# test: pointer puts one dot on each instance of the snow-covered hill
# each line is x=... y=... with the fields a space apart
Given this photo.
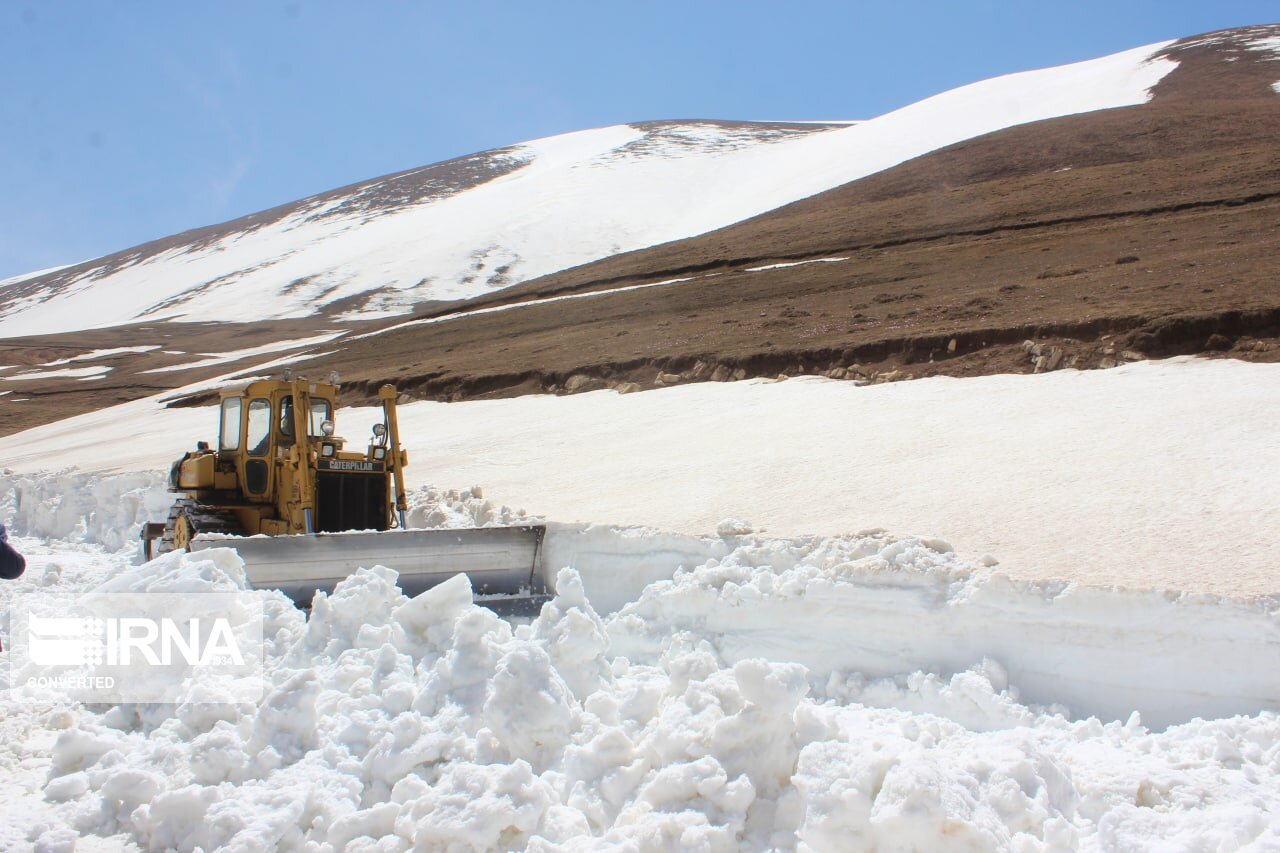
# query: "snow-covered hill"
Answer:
x=466 y=227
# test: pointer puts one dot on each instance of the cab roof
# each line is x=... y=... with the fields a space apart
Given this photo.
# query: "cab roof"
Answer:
x=273 y=387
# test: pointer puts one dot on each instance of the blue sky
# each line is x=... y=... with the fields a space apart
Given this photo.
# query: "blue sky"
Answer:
x=125 y=122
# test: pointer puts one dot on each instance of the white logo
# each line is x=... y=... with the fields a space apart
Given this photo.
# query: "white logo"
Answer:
x=80 y=642
x=65 y=642
x=138 y=647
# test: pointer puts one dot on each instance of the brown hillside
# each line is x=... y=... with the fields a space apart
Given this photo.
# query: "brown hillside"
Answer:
x=1142 y=231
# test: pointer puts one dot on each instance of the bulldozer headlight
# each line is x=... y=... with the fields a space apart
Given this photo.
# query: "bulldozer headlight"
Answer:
x=327 y=449
x=379 y=430
x=379 y=453
x=326 y=427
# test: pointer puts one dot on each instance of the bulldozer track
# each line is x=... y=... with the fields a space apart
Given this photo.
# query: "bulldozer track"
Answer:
x=201 y=518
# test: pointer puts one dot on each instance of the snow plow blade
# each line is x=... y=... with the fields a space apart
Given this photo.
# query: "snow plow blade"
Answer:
x=503 y=563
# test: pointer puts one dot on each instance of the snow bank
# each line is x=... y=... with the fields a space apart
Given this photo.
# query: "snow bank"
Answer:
x=78 y=507
x=876 y=606
x=110 y=509
x=397 y=724
x=617 y=563
x=915 y=605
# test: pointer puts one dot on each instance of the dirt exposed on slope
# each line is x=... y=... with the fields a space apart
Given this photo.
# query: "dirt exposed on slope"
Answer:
x=1129 y=233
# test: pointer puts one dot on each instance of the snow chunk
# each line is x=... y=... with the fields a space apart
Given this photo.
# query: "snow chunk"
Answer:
x=734 y=527
x=209 y=570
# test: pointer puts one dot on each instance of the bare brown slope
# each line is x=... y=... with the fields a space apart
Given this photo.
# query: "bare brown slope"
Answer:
x=1147 y=230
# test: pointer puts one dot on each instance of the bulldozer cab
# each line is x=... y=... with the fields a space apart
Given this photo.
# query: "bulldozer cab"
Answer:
x=280 y=469
x=261 y=424
x=277 y=436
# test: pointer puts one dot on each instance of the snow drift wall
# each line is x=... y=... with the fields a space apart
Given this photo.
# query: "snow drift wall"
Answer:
x=867 y=606
x=106 y=510
x=872 y=606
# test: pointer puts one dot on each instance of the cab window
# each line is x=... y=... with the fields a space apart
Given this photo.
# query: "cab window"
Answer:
x=321 y=411
x=230 y=437
x=258 y=437
x=286 y=417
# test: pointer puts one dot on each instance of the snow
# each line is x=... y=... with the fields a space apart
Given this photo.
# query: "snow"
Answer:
x=1149 y=475
x=675 y=181
x=1270 y=44
x=28 y=275
x=790 y=264
x=738 y=656
x=676 y=723
x=215 y=359
x=95 y=372
x=97 y=354
x=916 y=606
x=82 y=508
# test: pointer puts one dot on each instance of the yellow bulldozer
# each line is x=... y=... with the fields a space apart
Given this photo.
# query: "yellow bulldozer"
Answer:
x=304 y=511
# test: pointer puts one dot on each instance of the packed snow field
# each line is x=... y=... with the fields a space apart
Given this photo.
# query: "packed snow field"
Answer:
x=1149 y=475
x=717 y=692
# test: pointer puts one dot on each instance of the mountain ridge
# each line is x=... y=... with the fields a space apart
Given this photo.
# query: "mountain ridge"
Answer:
x=951 y=258
x=481 y=223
